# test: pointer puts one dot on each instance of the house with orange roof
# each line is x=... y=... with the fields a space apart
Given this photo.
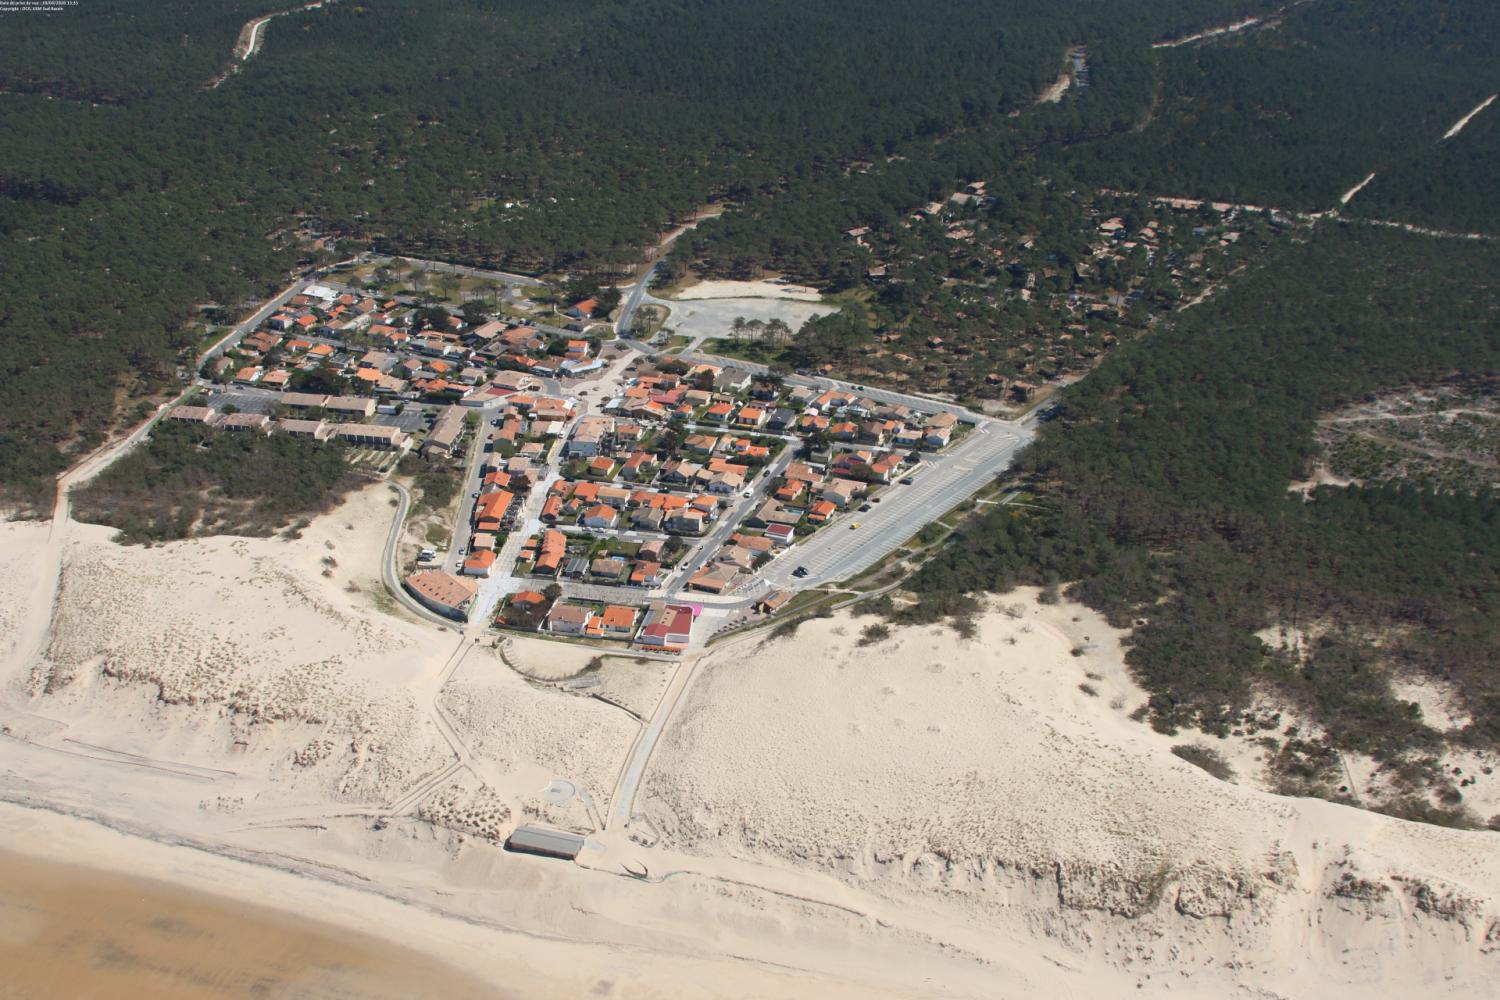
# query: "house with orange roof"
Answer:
x=617 y=621
x=722 y=465
x=552 y=509
x=320 y=351
x=755 y=543
x=637 y=465
x=616 y=496
x=645 y=573
x=480 y=563
x=554 y=548
x=714 y=578
x=718 y=413
x=600 y=516
x=821 y=511
x=750 y=416
x=568 y=619
x=493 y=506
x=789 y=493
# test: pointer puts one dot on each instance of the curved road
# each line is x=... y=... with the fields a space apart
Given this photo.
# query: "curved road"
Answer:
x=392 y=576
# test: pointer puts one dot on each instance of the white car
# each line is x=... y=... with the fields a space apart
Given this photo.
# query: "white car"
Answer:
x=748 y=494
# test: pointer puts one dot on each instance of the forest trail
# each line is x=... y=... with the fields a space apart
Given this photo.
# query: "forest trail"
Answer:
x=1234 y=27
x=1348 y=195
x=251 y=37
x=1458 y=126
x=1226 y=29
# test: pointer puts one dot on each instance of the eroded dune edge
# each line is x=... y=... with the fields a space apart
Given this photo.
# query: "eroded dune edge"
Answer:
x=922 y=815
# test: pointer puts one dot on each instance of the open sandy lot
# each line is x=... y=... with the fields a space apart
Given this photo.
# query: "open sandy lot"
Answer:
x=706 y=317
x=748 y=290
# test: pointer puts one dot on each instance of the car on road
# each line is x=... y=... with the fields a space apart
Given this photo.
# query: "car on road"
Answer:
x=748 y=494
x=800 y=572
x=854 y=525
x=907 y=481
x=874 y=499
x=863 y=507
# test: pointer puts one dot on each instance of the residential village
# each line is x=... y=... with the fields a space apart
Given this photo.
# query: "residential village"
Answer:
x=1017 y=297
x=608 y=493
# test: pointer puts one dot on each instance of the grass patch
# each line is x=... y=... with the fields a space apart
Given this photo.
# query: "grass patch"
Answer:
x=1206 y=758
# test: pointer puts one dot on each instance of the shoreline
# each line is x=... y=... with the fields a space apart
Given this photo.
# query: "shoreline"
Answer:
x=474 y=956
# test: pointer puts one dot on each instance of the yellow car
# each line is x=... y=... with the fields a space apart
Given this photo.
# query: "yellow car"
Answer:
x=854 y=525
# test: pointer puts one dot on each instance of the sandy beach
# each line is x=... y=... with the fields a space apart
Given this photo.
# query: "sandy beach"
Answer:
x=926 y=815
x=69 y=931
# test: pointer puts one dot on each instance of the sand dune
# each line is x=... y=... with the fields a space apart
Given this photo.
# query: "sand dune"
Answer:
x=976 y=774
x=925 y=816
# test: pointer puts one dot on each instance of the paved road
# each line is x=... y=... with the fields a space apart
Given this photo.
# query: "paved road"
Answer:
x=730 y=522
x=627 y=314
x=391 y=572
x=261 y=315
x=837 y=551
x=622 y=801
x=463 y=523
x=474 y=272
x=928 y=403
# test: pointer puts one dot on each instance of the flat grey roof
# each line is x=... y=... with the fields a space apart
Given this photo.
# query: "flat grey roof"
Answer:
x=545 y=841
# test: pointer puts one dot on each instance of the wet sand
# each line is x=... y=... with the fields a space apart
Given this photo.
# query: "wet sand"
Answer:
x=68 y=931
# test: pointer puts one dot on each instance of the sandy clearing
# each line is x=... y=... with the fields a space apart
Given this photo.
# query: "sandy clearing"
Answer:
x=533 y=735
x=1054 y=93
x=747 y=290
x=701 y=318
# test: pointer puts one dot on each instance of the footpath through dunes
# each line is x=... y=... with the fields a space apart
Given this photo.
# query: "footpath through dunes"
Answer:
x=998 y=783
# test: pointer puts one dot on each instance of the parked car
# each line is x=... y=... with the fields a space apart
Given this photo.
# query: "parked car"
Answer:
x=863 y=507
x=874 y=499
x=800 y=571
x=854 y=525
x=907 y=481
